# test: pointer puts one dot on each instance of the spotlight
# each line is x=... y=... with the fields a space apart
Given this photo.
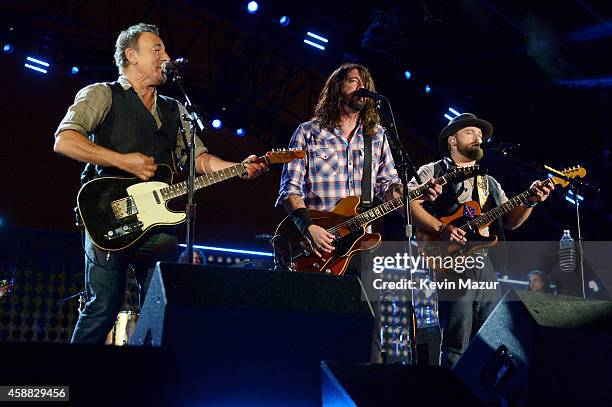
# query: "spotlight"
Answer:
x=407 y=74
x=75 y=70
x=311 y=41
x=448 y=116
x=284 y=21
x=8 y=48
x=217 y=123
x=240 y=132
x=427 y=88
x=252 y=7
x=453 y=111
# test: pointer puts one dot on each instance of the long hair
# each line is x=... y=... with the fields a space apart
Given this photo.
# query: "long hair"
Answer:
x=329 y=106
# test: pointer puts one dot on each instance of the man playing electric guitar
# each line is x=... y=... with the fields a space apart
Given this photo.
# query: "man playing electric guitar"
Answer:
x=334 y=165
x=122 y=128
x=461 y=318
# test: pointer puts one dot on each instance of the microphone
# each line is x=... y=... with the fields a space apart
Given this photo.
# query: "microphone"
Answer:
x=174 y=65
x=499 y=146
x=367 y=94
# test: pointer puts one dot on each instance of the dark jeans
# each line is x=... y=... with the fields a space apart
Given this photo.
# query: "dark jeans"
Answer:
x=462 y=312
x=105 y=279
x=355 y=269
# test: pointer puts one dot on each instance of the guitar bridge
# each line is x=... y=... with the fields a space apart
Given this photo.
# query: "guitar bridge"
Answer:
x=124 y=207
x=123 y=230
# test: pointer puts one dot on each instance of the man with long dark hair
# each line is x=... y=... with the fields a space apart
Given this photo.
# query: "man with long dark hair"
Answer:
x=333 y=169
x=334 y=141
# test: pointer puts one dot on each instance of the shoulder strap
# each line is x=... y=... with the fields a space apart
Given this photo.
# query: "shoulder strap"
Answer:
x=366 y=180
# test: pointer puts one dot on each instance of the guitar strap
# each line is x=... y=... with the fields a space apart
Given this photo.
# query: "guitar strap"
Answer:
x=481 y=189
x=366 y=181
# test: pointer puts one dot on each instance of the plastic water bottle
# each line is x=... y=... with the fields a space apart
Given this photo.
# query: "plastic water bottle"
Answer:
x=567 y=253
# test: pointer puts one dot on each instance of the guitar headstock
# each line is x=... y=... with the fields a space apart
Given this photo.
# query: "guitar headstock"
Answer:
x=571 y=172
x=283 y=156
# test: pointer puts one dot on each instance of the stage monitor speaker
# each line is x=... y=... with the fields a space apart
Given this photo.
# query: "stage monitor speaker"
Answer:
x=538 y=349
x=346 y=384
x=96 y=375
x=253 y=337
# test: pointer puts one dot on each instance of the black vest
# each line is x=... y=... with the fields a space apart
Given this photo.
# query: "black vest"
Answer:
x=129 y=127
x=448 y=202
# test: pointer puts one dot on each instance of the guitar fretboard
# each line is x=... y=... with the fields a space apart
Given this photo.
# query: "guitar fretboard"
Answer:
x=363 y=219
x=175 y=190
x=489 y=216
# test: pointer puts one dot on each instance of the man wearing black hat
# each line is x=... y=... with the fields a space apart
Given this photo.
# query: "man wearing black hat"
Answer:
x=462 y=312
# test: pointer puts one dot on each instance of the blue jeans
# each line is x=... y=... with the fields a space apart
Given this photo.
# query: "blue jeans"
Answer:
x=462 y=312
x=105 y=279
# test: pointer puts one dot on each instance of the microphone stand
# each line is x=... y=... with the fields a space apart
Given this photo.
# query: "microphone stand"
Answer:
x=195 y=123
x=406 y=171
x=576 y=185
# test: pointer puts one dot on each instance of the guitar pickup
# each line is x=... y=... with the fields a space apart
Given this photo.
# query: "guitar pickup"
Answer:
x=124 y=207
x=123 y=230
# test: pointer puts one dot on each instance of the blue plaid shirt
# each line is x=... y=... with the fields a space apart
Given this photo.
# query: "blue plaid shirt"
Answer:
x=333 y=167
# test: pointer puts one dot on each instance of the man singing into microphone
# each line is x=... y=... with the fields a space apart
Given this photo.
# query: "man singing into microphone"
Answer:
x=124 y=128
x=333 y=169
x=462 y=313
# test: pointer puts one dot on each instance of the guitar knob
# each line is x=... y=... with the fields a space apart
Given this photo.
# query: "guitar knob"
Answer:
x=328 y=271
x=110 y=233
x=316 y=265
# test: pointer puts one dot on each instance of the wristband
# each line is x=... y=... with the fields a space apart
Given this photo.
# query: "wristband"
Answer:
x=301 y=219
x=529 y=204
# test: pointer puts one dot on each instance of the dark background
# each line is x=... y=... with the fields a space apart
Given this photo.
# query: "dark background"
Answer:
x=539 y=71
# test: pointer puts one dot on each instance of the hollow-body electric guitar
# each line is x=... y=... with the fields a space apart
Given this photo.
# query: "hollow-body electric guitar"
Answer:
x=468 y=217
x=117 y=211
x=293 y=251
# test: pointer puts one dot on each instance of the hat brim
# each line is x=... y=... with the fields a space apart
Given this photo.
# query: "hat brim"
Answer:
x=483 y=125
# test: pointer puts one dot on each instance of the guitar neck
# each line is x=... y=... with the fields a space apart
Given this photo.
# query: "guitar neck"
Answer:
x=203 y=181
x=364 y=218
x=489 y=216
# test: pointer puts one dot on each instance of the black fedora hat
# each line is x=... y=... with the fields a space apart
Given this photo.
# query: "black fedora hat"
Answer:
x=460 y=122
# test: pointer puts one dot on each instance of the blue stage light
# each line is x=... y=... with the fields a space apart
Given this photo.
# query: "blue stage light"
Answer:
x=313 y=44
x=35 y=68
x=252 y=7
x=284 y=21
x=317 y=37
x=8 y=48
x=427 y=88
x=37 y=64
x=453 y=111
x=407 y=74
x=228 y=250
x=38 y=61
x=75 y=70
x=448 y=116
x=216 y=123
x=240 y=132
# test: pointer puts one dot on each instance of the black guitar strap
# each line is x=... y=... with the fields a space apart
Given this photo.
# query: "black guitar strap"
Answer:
x=366 y=181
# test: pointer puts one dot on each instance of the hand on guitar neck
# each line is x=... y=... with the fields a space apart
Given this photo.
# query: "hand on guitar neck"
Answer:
x=254 y=167
x=395 y=191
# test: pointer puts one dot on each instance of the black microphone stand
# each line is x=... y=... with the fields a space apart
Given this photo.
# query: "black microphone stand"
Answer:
x=195 y=123
x=406 y=171
x=576 y=185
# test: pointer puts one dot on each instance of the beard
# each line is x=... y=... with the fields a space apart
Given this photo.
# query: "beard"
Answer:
x=354 y=104
x=470 y=152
